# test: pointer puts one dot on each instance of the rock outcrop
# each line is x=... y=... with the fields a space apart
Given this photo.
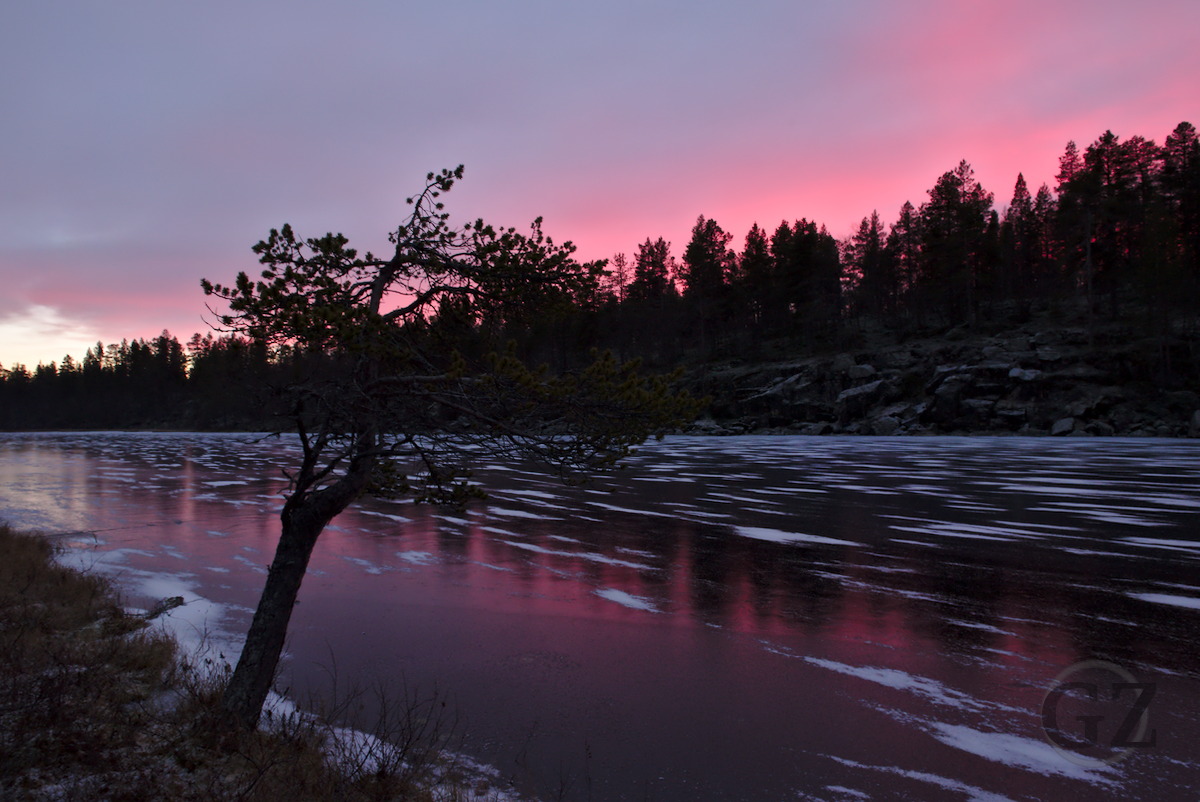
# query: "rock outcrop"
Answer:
x=1048 y=381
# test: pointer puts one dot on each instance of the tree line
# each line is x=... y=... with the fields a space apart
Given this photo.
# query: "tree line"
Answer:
x=1118 y=234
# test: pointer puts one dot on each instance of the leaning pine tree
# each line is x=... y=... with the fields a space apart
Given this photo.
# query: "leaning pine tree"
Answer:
x=392 y=405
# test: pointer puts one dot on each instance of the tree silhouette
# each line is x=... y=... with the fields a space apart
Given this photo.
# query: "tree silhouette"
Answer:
x=707 y=263
x=954 y=225
x=389 y=409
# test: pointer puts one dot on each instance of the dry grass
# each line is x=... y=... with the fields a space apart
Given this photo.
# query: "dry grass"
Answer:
x=95 y=705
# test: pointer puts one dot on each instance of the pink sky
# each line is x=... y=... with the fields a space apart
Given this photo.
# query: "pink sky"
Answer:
x=150 y=145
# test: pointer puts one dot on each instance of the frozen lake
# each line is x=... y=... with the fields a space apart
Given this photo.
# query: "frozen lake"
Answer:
x=752 y=618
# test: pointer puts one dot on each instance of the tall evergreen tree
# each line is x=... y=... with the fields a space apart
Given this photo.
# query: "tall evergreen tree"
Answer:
x=875 y=284
x=903 y=252
x=1181 y=194
x=1018 y=243
x=707 y=262
x=954 y=225
x=756 y=269
x=808 y=272
x=653 y=271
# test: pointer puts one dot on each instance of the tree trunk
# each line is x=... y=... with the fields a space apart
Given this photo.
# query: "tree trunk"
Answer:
x=304 y=517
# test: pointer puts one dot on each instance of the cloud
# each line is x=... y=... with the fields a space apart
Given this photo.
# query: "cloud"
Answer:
x=26 y=334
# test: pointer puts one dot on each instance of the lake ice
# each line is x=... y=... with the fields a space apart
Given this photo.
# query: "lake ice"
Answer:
x=726 y=618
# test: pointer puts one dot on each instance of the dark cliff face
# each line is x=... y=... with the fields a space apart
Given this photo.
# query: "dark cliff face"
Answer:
x=1035 y=380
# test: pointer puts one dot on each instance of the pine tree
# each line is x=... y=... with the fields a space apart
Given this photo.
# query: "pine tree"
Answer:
x=954 y=224
x=390 y=409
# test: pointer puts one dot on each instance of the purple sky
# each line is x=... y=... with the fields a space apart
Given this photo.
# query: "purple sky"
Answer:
x=149 y=144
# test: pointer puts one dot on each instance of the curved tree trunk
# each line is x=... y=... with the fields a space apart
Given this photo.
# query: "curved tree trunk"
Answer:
x=304 y=517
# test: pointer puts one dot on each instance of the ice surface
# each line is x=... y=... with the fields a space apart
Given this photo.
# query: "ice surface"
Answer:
x=998 y=524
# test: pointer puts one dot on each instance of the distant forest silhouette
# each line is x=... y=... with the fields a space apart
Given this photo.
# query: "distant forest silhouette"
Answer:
x=1118 y=234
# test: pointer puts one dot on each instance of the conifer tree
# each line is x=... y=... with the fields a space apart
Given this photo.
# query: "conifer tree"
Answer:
x=391 y=409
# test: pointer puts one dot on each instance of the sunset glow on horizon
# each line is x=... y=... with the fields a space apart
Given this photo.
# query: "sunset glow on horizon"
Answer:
x=151 y=146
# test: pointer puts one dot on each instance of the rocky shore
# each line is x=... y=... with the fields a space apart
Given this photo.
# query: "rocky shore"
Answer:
x=1033 y=380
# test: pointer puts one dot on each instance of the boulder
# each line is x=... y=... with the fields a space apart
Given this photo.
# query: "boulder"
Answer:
x=980 y=409
x=860 y=392
x=943 y=373
x=706 y=426
x=1011 y=417
x=859 y=372
x=1049 y=354
x=1194 y=425
x=1062 y=426
x=947 y=398
x=885 y=425
x=853 y=403
x=1182 y=400
x=993 y=369
x=1024 y=374
x=842 y=363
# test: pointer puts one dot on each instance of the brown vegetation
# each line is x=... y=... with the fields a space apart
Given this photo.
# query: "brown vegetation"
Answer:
x=96 y=705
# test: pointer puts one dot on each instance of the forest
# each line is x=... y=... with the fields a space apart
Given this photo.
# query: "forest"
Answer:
x=1118 y=236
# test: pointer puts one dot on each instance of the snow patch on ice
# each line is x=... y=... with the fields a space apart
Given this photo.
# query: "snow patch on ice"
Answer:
x=509 y=513
x=196 y=625
x=495 y=530
x=615 y=508
x=417 y=557
x=1014 y=750
x=530 y=493
x=371 y=568
x=627 y=599
x=973 y=794
x=489 y=565
x=1163 y=543
x=933 y=530
x=900 y=680
x=389 y=516
x=1190 y=602
x=779 y=536
x=581 y=555
x=251 y=564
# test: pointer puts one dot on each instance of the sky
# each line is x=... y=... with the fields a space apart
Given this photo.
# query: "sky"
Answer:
x=149 y=144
